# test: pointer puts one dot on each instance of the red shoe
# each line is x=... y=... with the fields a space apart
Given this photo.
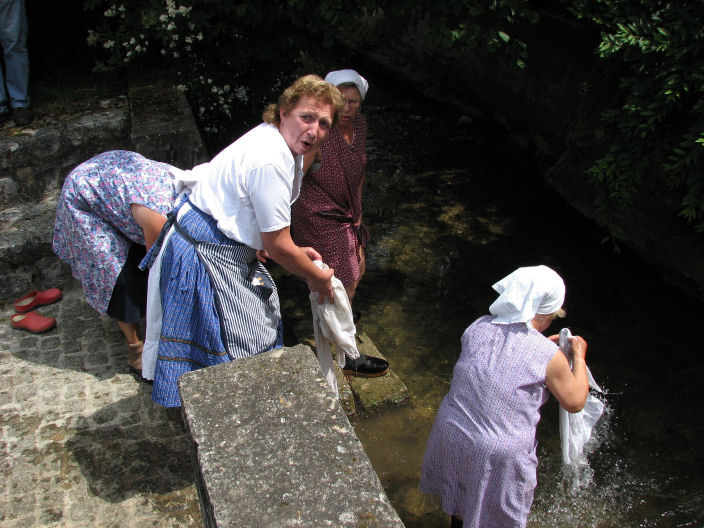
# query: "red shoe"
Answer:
x=32 y=322
x=36 y=299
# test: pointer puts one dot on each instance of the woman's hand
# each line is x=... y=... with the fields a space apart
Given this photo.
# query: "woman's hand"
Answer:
x=311 y=253
x=569 y=386
x=322 y=285
x=578 y=347
x=262 y=255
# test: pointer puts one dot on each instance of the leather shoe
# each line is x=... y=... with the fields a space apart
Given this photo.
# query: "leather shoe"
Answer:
x=22 y=116
x=366 y=367
x=5 y=116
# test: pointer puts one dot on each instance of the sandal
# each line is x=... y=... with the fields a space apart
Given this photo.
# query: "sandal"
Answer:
x=36 y=299
x=32 y=322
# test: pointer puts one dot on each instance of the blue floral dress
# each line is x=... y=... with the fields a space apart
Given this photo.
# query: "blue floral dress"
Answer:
x=94 y=226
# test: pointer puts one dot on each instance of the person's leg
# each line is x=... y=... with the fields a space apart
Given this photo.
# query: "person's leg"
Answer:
x=130 y=331
x=134 y=344
x=13 y=39
x=128 y=304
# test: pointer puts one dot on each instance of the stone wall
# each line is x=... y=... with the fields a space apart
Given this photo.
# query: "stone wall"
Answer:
x=152 y=118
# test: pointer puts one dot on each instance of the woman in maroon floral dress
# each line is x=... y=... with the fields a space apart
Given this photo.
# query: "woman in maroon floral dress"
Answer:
x=328 y=213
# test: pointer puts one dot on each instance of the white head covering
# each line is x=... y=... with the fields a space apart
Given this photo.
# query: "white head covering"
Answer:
x=527 y=292
x=338 y=77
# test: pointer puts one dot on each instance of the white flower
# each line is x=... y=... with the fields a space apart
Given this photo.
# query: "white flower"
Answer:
x=109 y=44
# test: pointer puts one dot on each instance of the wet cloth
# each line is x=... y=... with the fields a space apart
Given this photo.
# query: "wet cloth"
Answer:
x=219 y=303
x=576 y=428
x=333 y=324
x=94 y=226
x=481 y=454
x=330 y=203
x=526 y=292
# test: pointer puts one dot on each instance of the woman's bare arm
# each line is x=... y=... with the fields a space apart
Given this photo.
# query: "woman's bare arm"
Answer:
x=569 y=386
x=281 y=248
x=150 y=221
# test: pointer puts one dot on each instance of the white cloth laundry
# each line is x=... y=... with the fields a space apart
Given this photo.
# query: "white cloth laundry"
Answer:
x=576 y=428
x=333 y=323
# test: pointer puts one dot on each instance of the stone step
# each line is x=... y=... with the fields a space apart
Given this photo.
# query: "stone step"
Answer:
x=155 y=120
x=35 y=159
x=358 y=394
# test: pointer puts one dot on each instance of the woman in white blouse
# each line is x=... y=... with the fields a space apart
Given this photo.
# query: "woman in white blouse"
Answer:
x=219 y=302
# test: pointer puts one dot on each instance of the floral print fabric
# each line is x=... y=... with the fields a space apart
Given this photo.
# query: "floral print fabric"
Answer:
x=94 y=225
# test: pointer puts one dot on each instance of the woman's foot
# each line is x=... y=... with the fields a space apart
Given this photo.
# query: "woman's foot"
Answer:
x=134 y=356
x=366 y=366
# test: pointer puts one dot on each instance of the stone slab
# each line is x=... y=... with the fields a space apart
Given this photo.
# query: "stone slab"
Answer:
x=374 y=394
x=358 y=394
x=273 y=447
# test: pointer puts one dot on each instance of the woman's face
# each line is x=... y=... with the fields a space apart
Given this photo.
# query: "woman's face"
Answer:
x=353 y=101
x=305 y=126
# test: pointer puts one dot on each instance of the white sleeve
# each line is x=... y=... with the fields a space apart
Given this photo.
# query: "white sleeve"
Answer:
x=269 y=188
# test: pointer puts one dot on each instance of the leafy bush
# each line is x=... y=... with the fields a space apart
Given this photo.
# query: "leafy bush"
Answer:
x=650 y=52
x=655 y=121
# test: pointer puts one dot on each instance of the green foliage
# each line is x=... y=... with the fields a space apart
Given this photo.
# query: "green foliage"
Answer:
x=466 y=26
x=233 y=57
x=655 y=119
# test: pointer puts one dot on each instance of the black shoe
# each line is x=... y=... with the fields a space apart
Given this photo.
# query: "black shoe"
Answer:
x=22 y=116
x=366 y=367
x=5 y=116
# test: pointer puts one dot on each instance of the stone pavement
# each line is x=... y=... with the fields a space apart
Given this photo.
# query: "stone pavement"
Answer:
x=81 y=443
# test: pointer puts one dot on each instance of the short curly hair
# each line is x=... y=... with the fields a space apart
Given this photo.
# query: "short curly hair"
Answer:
x=308 y=85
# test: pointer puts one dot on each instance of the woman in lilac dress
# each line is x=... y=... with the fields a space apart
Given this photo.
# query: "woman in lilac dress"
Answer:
x=481 y=453
x=111 y=209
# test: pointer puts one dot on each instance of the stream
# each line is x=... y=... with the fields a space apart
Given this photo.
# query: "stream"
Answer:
x=452 y=209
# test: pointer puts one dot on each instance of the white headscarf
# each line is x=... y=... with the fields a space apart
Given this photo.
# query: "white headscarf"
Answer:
x=527 y=292
x=338 y=77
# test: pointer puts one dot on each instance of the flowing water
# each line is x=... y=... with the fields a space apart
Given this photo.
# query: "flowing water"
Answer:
x=452 y=209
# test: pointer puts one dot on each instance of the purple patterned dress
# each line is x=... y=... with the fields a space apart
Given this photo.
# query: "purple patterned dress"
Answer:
x=94 y=225
x=481 y=454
